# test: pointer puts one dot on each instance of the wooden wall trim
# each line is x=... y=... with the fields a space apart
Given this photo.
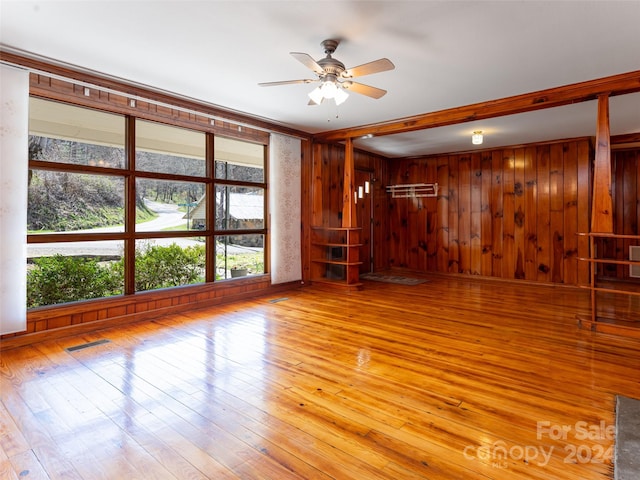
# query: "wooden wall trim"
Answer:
x=226 y=120
x=553 y=97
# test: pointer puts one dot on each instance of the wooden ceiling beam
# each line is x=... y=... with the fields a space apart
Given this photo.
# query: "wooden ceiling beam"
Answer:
x=553 y=97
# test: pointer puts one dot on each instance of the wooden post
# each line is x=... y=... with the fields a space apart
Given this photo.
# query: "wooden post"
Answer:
x=602 y=203
x=349 y=218
x=348 y=187
x=317 y=215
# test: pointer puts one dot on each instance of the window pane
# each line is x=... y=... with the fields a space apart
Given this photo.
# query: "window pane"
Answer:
x=168 y=205
x=165 y=149
x=239 y=255
x=65 y=202
x=169 y=262
x=238 y=160
x=71 y=271
x=68 y=134
x=239 y=208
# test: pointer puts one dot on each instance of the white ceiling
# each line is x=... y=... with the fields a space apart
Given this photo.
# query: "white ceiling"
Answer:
x=446 y=53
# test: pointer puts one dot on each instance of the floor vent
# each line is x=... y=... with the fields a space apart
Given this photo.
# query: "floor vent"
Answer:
x=276 y=300
x=87 y=345
x=634 y=256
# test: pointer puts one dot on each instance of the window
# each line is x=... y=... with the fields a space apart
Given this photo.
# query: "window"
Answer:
x=82 y=188
x=239 y=208
x=76 y=186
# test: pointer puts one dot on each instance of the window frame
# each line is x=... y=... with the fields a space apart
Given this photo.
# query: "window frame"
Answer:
x=130 y=174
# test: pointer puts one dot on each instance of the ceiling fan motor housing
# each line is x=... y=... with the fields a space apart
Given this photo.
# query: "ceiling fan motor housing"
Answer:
x=330 y=65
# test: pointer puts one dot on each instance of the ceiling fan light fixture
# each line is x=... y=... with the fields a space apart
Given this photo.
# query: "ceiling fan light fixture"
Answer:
x=316 y=95
x=340 y=96
x=477 y=138
x=329 y=88
x=334 y=78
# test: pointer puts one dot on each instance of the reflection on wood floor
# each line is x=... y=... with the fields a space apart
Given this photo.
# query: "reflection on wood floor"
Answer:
x=451 y=379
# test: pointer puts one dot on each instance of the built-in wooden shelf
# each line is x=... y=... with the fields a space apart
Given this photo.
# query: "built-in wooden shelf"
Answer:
x=617 y=325
x=335 y=256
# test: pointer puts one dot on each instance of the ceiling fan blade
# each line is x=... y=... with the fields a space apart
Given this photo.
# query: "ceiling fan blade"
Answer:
x=363 y=89
x=286 y=82
x=308 y=62
x=381 y=65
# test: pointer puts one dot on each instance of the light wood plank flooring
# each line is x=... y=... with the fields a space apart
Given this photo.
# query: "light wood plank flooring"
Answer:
x=451 y=379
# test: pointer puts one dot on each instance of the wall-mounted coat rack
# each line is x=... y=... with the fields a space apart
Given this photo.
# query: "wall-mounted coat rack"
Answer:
x=413 y=190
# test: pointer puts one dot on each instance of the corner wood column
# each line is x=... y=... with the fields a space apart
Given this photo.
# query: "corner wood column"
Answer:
x=348 y=188
x=349 y=218
x=334 y=250
x=602 y=203
x=317 y=208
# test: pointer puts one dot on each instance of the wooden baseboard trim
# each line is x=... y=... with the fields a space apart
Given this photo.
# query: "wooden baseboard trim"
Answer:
x=126 y=319
x=608 y=328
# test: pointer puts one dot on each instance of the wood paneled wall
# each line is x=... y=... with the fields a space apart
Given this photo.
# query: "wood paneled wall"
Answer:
x=625 y=191
x=509 y=213
x=327 y=183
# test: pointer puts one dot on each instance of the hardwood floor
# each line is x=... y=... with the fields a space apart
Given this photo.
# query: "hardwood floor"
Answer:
x=451 y=379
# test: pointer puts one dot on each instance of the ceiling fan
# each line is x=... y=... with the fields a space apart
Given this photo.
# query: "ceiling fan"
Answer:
x=335 y=79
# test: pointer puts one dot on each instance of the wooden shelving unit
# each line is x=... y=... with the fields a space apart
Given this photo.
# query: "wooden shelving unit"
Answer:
x=629 y=324
x=335 y=256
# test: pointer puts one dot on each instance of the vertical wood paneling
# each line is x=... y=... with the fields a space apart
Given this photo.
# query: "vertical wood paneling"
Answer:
x=475 y=241
x=497 y=210
x=377 y=166
x=544 y=248
x=316 y=175
x=486 y=219
x=413 y=229
x=349 y=188
x=442 y=240
x=636 y=160
x=381 y=220
x=454 y=201
x=326 y=200
x=511 y=213
x=417 y=225
x=519 y=217
x=531 y=214
x=625 y=188
x=464 y=214
x=618 y=185
x=336 y=160
x=508 y=196
x=584 y=207
x=556 y=212
x=629 y=202
x=398 y=212
x=570 y=208
x=431 y=204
